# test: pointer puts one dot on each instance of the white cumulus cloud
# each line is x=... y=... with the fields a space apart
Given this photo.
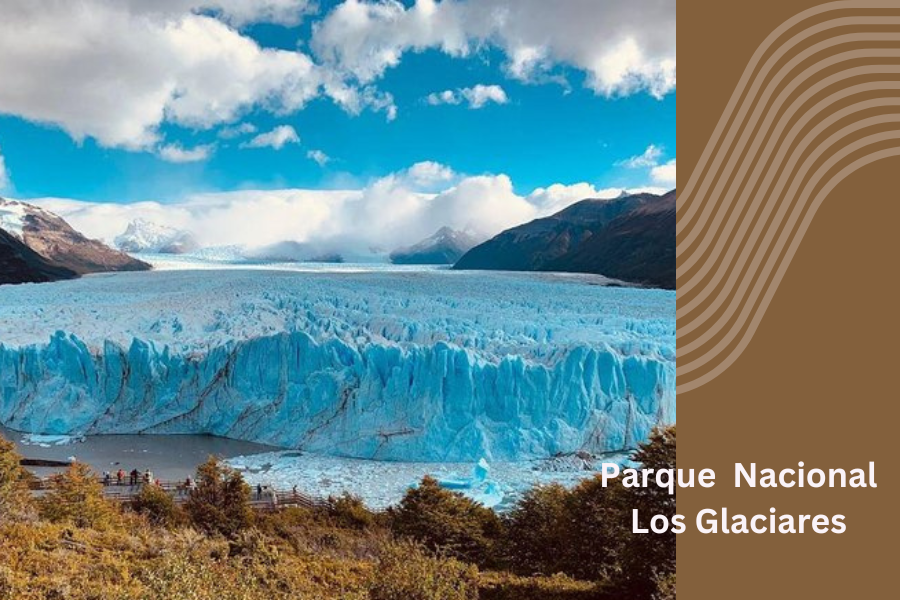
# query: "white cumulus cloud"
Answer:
x=117 y=70
x=624 y=47
x=649 y=158
x=661 y=173
x=175 y=153
x=4 y=174
x=476 y=96
x=664 y=174
x=235 y=131
x=278 y=138
x=319 y=157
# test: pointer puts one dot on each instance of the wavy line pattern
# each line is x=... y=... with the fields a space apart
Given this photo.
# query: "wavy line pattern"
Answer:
x=819 y=99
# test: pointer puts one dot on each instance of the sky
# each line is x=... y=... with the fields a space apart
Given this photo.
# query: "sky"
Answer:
x=252 y=121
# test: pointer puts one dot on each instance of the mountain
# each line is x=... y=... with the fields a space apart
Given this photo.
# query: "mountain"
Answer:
x=21 y=264
x=637 y=246
x=144 y=236
x=631 y=238
x=56 y=244
x=445 y=247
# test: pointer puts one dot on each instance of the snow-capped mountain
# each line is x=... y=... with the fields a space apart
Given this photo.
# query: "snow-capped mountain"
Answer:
x=145 y=236
x=445 y=247
x=44 y=247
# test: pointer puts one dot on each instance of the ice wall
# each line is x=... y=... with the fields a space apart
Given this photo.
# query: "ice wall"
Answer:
x=425 y=403
x=437 y=368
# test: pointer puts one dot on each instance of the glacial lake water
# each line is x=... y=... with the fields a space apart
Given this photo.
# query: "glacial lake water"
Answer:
x=170 y=457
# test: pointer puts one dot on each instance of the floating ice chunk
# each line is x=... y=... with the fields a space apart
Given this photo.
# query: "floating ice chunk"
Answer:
x=46 y=441
x=491 y=496
x=481 y=471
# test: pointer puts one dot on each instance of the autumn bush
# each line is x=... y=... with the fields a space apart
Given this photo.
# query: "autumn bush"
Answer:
x=506 y=586
x=406 y=571
x=448 y=522
x=350 y=511
x=158 y=506
x=220 y=502
x=15 y=500
x=76 y=497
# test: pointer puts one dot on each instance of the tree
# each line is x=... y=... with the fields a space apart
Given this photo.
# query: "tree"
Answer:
x=448 y=522
x=157 y=505
x=221 y=501
x=14 y=496
x=350 y=512
x=76 y=497
x=536 y=531
x=650 y=558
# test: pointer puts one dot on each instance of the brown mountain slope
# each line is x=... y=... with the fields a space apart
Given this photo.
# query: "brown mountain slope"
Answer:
x=54 y=239
x=21 y=264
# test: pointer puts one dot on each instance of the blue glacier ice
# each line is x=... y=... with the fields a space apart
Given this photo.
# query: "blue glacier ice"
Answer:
x=430 y=366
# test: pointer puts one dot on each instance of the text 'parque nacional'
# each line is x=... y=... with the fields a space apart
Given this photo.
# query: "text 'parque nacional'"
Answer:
x=715 y=521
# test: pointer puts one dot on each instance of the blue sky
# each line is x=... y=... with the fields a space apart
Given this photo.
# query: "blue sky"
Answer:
x=166 y=102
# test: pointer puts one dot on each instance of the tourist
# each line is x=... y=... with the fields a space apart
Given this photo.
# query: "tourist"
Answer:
x=107 y=478
x=120 y=476
x=259 y=491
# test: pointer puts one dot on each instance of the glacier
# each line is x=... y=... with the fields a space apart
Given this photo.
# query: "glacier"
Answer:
x=402 y=366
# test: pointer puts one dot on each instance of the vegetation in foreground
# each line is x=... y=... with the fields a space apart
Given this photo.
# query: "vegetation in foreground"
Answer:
x=435 y=545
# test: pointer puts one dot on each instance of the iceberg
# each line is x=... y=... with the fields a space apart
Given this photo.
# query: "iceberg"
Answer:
x=431 y=366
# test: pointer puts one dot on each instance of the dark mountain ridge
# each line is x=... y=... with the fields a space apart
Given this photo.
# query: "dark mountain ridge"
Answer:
x=630 y=238
x=21 y=264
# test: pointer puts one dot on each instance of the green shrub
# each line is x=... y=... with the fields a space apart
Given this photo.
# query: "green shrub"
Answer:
x=448 y=522
x=536 y=530
x=407 y=572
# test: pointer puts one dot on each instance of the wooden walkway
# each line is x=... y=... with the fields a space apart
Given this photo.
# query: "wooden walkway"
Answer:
x=270 y=499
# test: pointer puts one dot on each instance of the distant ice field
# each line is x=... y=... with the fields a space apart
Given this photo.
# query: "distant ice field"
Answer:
x=488 y=312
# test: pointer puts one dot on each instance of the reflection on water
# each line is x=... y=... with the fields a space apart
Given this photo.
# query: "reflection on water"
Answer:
x=170 y=457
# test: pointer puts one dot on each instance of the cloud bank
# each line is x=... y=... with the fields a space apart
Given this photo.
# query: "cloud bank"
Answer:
x=397 y=210
x=116 y=70
x=623 y=47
